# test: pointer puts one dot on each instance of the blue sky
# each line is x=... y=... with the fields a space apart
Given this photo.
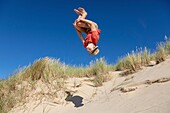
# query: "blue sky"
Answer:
x=33 y=29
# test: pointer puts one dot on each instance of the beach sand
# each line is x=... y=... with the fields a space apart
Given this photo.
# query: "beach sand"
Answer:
x=147 y=91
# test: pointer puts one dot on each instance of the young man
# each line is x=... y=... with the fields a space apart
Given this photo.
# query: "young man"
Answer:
x=88 y=27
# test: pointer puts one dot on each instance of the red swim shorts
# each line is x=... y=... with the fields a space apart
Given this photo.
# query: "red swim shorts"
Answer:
x=92 y=37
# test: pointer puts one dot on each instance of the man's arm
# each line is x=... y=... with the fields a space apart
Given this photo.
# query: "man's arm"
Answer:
x=78 y=30
x=80 y=35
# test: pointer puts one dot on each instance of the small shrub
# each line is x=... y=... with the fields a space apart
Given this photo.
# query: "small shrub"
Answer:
x=98 y=80
x=97 y=67
x=160 y=54
x=146 y=57
x=134 y=61
x=153 y=56
x=7 y=93
x=167 y=46
x=130 y=62
x=99 y=70
x=36 y=71
x=121 y=65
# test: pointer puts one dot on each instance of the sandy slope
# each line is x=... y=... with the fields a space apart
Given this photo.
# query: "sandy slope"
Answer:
x=152 y=96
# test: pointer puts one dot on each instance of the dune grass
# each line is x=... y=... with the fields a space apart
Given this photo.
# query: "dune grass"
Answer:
x=134 y=61
x=99 y=69
x=50 y=71
x=54 y=73
x=7 y=94
x=160 y=55
x=167 y=46
x=48 y=68
x=163 y=50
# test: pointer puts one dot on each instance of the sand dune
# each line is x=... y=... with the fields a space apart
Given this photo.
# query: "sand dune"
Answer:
x=147 y=91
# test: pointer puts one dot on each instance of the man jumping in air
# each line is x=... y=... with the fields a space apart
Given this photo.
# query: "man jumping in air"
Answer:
x=88 y=27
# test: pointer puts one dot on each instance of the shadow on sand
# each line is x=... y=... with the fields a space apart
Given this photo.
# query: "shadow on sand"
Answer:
x=76 y=100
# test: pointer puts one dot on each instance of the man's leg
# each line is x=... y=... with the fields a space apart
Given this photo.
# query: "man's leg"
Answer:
x=93 y=26
x=79 y=31
x=77 y=27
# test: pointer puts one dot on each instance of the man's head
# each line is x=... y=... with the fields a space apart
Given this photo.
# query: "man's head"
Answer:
x=92 y=49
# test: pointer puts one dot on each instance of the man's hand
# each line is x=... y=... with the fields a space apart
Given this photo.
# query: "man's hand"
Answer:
x=78 y=12
x=81 y=12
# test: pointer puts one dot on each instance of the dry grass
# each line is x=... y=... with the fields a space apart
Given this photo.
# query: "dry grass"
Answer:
x=163 y=50
x=160 y=55
x=134 y=61
x=99 y=69
x=46 y=77
x=51 y=74
x=49 y=68
x=167 y=46
x=7 y=94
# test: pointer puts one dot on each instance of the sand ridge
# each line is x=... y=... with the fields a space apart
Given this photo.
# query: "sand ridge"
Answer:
x=146 y=91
